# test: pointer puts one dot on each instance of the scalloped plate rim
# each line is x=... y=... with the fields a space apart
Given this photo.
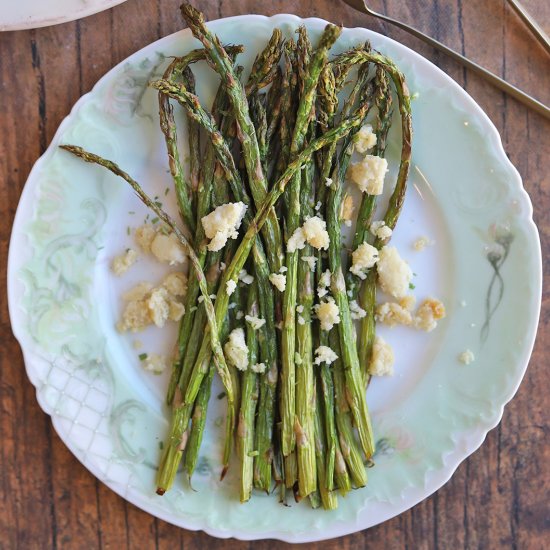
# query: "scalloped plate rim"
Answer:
x=466 y=443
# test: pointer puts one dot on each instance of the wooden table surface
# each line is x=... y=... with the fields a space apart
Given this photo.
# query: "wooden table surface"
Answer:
x=498 y=498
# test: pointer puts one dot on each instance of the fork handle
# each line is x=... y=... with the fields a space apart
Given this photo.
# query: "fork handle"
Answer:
x=533 y=26
x=495 y=80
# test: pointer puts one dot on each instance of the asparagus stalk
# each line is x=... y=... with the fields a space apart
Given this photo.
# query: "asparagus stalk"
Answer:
x=246 y=134
x=249 y=398
x=304 y=422
x=328 y=497
x=350 y=450
x=180 y=418
x=288 y=343
x=219 y=359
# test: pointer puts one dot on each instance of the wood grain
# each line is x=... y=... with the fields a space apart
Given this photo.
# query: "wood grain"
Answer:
x=498 y=498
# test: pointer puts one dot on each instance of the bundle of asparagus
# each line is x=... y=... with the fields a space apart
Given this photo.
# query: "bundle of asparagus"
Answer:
x=295 y=381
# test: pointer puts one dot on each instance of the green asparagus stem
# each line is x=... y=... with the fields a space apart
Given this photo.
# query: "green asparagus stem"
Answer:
x=328 y=497
x=288 y=343
x=304 y=423
x=180 y=418
x=349 y=448
x=264 y=69
x=246 y=134
x=249 y=398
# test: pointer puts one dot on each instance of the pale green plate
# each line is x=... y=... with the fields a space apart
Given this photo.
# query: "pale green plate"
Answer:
x=485 y=265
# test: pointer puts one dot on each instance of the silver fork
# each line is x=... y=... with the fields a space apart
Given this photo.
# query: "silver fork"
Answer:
x=526 y=99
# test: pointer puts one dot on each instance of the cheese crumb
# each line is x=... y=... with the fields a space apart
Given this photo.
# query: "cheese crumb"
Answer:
x=324 y=354
x=382 y=358
x=311 y=261
x=167 y=249
x=144 y=236
x=408 y=302
x=380 y=229
x=223 y=224
x=421 y=243
x=347 y=209
x=394 y=274
x=357 y=312
x=369 y=174
x=255 y=322
x=392 y=314
x=176 y=284
x=318 y=206
x=300 y=309
x=278 y=280
x=138 y=292
x=283 y=269
x=245 y=278
x=328 y=182
x=324 y=284
x=301 y=320
x=239 y=315
x=258 y=368
x=121 y=264
x=236 y=349
x=315 y=231
x=363 y=258
x=159 y=306
x=365 y=139
x=222 y=266
x=466 y=357
x=175 y=311
x=155 y=363
x=328 y=314
x=230 y=287
x=428 y=313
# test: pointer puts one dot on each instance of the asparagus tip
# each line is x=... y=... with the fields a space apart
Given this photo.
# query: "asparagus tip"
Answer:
x=160 y=491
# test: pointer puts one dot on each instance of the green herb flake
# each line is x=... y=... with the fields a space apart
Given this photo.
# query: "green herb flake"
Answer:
x=411 y=286
x=221 y=395
x=166 y=191
x=142 y=356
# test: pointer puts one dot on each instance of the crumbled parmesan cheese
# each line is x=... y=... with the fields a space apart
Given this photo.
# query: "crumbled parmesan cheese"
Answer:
x=144 y=236
x=347 y=209
x=175 y=284
x=315 y=231
x=311 y=261
x=365 y=139
x=382 y=358
x=159 y=306
x=245 y=278
x=155 y=363
x=466 y=357
x=138 y=292
x=301 y=320
x=122 y=263
x=328 y=314
x=428 y=313
x=380 y=229
x=222 y=266
x=421 y=243
x=363 y=258
x=230 y=287
x=324 y=284
x=369 y=174
x=394 y=274
x=357 y=312
x=324 y=354
x=278 y=280
x=236 y=349
x=283 y=269
x=176 y=311
x=408 y=302
x=328 y=182
x=167 y=249
x=348 y=223
x=258 y=368
x=147 y=305
x=318 y=206
x=299 y=309
x=392 y=314
x=297 y=240
x=223 y=223
x=255 y=322
x=239 y=315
